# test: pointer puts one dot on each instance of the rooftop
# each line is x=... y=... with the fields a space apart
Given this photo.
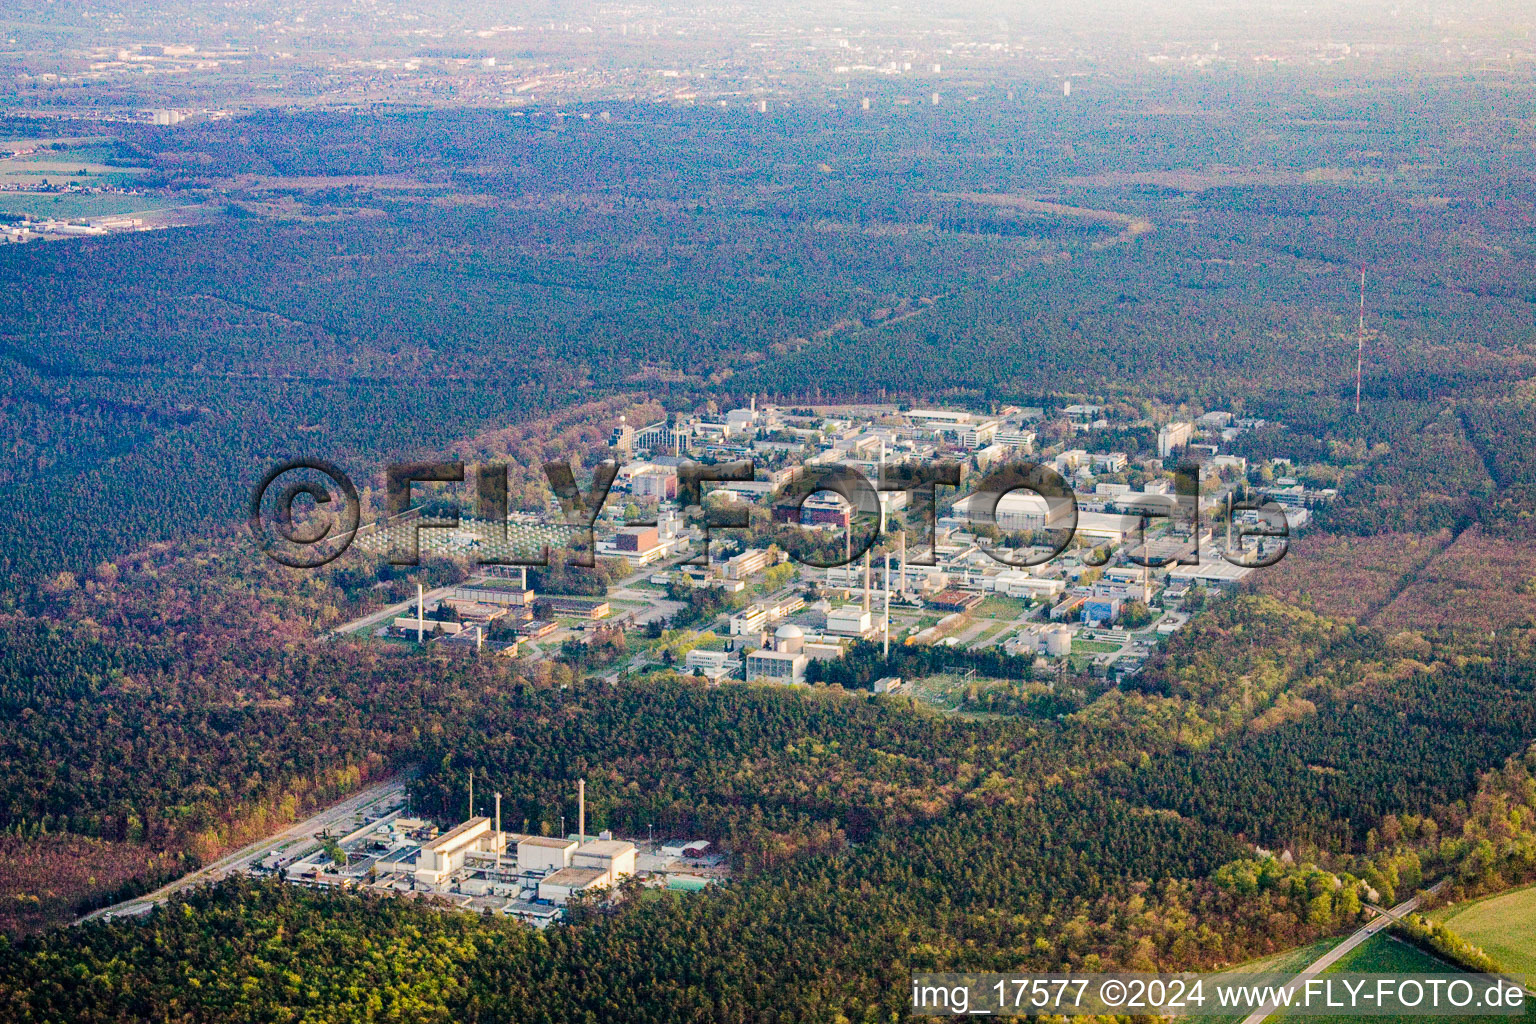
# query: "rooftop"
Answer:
x=549 y=841
x=607 y=848
x=576 y=878
x=451 y=838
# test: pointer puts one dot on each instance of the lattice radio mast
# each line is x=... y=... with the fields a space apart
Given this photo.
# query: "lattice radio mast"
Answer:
x=1360 y=342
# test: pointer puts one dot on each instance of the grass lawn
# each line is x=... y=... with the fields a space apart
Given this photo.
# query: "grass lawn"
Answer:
x=996 y=607
x=988 y=633
x=1503 y=925
x=1289 y=961
x=1093 y=647
x=1286 y=962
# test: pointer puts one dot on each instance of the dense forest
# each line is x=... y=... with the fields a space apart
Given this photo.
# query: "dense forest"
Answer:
x=165 y=694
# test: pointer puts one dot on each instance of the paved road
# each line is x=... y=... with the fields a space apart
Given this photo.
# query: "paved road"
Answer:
x=337 y=818
x=388 y=614
x=1328 y=959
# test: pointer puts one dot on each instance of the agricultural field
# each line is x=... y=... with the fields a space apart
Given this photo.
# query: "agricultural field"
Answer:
x=1384 y=954
x=33 y=167
x=1286 y=960
x=80 y=205
x=1504 y=926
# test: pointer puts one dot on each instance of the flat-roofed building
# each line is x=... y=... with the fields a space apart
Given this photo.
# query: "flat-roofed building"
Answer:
x=636 y=539
x=1106 y=527
x=1173 y=437
x=955 y=600
x=559 y=887
x=980 y=434
x=1017 y=440
x=657 y=483
x=638 y=545
x=710 y=664
x=776 y=666
x=614 y=856
x=1213 y=571
x=576 y=607
x=747 y=563
x=848 y=621
x=822 y=650
x=937 y=416
x=750 y=619
x=815 y=512
x=509 y=594
x=545 y=853
x=1016 y=583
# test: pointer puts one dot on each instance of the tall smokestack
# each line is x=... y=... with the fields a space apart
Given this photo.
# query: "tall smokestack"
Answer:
x=421 y=614
x=868 y=580
x=471 y=813
x=887 y=604
x=501 y=840
x=581 y=810
x=901 y=560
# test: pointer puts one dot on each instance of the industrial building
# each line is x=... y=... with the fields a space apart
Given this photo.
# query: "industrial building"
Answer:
x=785 y=662
x=849 y=621
x=473 y=866
x=709 y=664
x=444 y=855
x=658 y=483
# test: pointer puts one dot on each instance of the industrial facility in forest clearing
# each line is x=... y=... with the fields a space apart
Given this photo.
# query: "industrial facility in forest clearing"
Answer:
x=478 y=866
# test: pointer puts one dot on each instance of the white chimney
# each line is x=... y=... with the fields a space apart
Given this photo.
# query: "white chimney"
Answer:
x=581 y=810
x=868 y=579
x=421 y=614
x=887 y=604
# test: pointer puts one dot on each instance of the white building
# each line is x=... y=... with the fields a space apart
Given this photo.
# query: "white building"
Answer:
x=747 y=564
x=1016 y=583
x=614 y=857
x=1016 y=510
x=1018 y=440
x=545 y=853
x=980 y=434
x=1173 y=437
x=785 y=663
x=444 y=855
x=710 y=664
x=657 y=483
x=850 y=620
x=559 y=887
x=751 y=619
x=1106 y=527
